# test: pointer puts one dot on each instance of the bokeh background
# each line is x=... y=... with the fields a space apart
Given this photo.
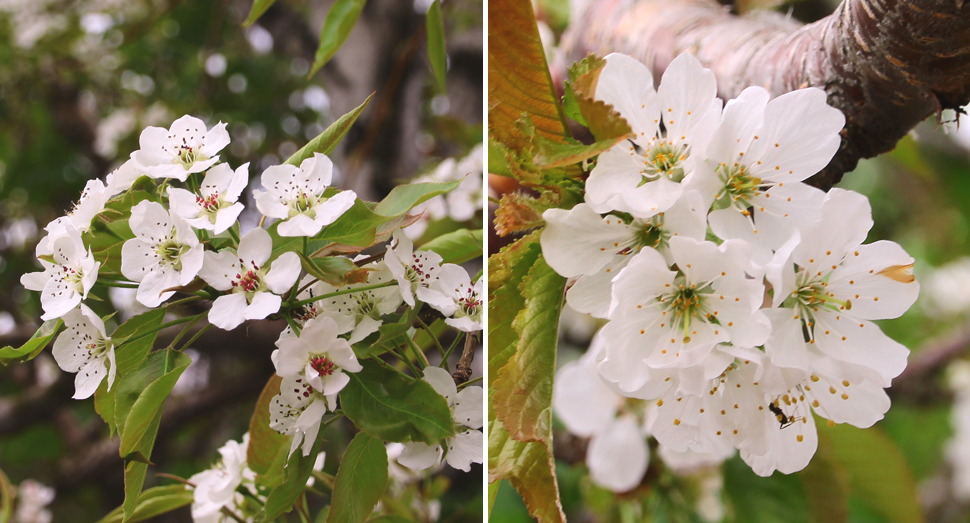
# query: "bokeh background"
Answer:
x=920 y=195
x=80 y=79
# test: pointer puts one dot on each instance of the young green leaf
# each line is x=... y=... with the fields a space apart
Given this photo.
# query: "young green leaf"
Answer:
x=328 y=140
x=153 y=502
x=264 y=442
x=34 y=345
x=259 y=7
x=165 y=368
x=385 y=405
x=341 y=19
x=360 y=480
x=297 y=471
x=437 y=54
x=529 y=467
x=457 y=246
x=335 y=270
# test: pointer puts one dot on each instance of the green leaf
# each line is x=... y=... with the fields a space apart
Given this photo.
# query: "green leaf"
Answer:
x=519 y=80
x=775 y=499
x=335 y=270
x=457 y=246
x=7 y=495
x=389 y=518
x=826 y=484
x=297 y=471
x=385 y=405
x=603 y=121
x=878 y=473
x=328 y=140
x=360 y=480
x=264 y=442
x=34 y=345
x=436 y=44
x=492 y=492
x=405 y=197
x=529 y=468
x=550 y=155
x=153 y=502
x=151 y=396
x=341 y=19
x=259 y=7
x=505 y=271
x=135 y=473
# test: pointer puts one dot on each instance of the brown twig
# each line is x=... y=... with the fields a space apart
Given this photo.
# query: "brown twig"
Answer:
x=463 y=371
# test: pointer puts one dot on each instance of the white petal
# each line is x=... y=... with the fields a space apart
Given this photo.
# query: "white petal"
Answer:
x=592 y=294
x=138 y=259
x=328 y=211
x=219 y=269
x=627 y=85
x=878 y=279
x=466 y=448
x=256 y=247
x=283 y=272
x=686 y=93
x=150 y=289
x=183 y=203
x=88 y=379
x=740 y=120
x=215 y=139
x=617 y=172
x=334 y=383
x=269 y=203
x=419 y=456
x=262 y=305
x=579 y=241
x=468 y=407
x=441 y=382
x=618 y=457
x=299 y=225
x=150 y=222
x=228 y=311
x=860 y=342
x=582 y=400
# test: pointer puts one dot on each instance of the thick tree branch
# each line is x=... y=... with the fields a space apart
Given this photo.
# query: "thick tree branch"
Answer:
x=887 y=64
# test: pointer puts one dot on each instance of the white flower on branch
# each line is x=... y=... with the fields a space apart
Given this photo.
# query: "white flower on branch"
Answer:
x=254 y=287
x=296 y=195
x=455 y=296
x=92 y=201
x=185 y=148
x=672 y=127
x=163 y=254
x=466 y=447
x=359 y=312
x=68 y=279
x=215 y=207
x=412 y=269
x=122 y=178
x=85 y=348
x=216 y=488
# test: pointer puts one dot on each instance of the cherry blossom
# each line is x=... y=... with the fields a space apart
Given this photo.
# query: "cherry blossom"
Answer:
x=454 y=296
x=163 y=254
x=84 y=348
x=215 y=207
x=296 y=195
x=183 y=149
x=254 y=286
x=412 y=269
x=68 y=278
x=467 y=445
x=672 y=127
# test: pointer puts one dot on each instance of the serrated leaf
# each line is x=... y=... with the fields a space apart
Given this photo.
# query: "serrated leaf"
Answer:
x=153 y=502
x=341 y=19
x=385 y=405
x=457 y=246
x=297 y=471
x=328 y=140
x=603 y=121
x=529 y=469
x=550 y=155
x=878 y=473
x=519 y=81
x=259 y=7
x=437 y=55
x=360 y=480
x=29 y=350
x=505 y=271
x=264 y=442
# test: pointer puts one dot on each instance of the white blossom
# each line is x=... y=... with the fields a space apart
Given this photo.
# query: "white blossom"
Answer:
x=359 y=312
x=215 y=207
x=68 y=279
x=455 y=296
x=183 y=149
x=93 y=199
x=216 y=488
x=122 y=178
x=254 y=286
x=467 y=445
x=412 y=269
x=163 y=254
x=33 y=498
x=296 y=195
x=85 y=348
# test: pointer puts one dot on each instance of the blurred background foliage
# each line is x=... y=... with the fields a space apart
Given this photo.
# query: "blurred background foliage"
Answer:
x=920 y=195
x=80 y=79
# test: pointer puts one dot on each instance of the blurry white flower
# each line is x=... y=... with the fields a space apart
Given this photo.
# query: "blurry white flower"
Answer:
x=33 y=496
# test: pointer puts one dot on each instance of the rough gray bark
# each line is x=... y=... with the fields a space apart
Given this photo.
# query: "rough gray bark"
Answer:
x=887 y=64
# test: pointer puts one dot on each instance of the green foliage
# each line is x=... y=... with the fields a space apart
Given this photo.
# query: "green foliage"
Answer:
x=259 y=7
x=297 y=471
x=388 y=406
x=153 y=502
x=457 y=246
x=335 y=270
x=7 y=494
x=29 y=350
x=340 y=21
x=265 y=444
x=328 y=140
x=776 y=499
x=360 y=480
x=437 y=55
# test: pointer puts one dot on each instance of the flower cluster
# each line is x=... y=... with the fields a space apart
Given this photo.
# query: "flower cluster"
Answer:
x=740 y=299
x=461 y=204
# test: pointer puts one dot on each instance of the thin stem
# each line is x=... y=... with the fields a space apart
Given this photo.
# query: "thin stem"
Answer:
x=305 y=287
x=182 y=301
x=173 y=477
x=444 y=359
x=184 y=331
x=234 y=234
x=261 y=221
x=226 y=511
x=470 y=382
x=301 y=508
x=391 y=367
x=295 y=304
x=119 y=284
x=164 y=326
x=376 y=257
x=195 y=337
x=292 y=323
x=407 y=361
x=418 y=352
x=323 y=478
x=434 y=339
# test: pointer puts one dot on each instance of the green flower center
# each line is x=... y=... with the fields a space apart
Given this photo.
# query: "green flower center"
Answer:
x=664 y=158
x=685 y=304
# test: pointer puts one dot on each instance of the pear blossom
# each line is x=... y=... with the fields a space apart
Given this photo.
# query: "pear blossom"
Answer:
x=757 y=159
x=85 y=348
x=831 y=287
x=255 y=286
x=33 y=498
x=672 y=125
x=360 y=312
x=296 y=196
x=183 y=149
x=216 y=206
x=662 y=318
x=164 y=253
x=465 y=447
x=68 y=279
x=298 y=411
x=618 y=455
x=412 y=269
x=122 y=178
x=93 y=199
x=581 y=244
x=455 y=296
x=216 y=488
x=461 y=203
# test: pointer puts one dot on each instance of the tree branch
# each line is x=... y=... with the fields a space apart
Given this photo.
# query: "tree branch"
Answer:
x=887 y=64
